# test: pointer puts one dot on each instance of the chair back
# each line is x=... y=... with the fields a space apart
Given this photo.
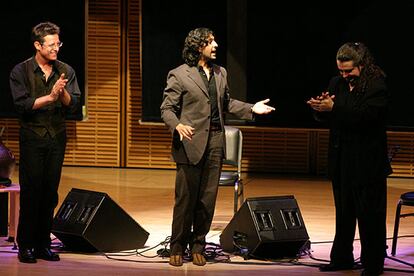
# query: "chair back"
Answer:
x=234 y=145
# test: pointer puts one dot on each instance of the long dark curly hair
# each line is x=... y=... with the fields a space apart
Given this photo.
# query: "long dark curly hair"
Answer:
x=361 y=56
x=195 y=40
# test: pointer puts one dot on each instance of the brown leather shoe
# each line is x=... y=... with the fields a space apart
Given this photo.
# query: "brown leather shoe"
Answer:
x=198 y=259
x=176 y=260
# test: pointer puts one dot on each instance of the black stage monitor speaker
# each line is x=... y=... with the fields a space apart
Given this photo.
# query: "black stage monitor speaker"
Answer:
x=89 y=221
x=266 y=228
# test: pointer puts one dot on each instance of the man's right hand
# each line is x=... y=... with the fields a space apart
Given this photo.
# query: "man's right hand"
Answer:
x=185 y=131
x=58 y=87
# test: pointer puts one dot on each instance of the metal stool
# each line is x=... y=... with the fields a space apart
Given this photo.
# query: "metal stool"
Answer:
x=405 y=199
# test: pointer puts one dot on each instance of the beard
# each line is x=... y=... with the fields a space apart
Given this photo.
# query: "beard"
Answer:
x=352 y=80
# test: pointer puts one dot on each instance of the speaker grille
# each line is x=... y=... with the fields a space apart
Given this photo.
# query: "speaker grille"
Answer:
x=266 y=228
x=90 y=221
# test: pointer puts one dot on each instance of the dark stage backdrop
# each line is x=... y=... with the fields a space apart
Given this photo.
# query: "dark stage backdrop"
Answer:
x=18 y=17
x=301 y=60
x=290 y=51
x=165 y=25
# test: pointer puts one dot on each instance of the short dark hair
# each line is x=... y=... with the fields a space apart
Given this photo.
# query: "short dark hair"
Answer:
x=43 y=29
x=195 y=39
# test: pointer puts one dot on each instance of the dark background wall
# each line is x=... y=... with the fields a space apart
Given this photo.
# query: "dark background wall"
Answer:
x=18 y=17
x=113 y=136
x=300 y=61
x=285 y=54
x=290 y=51
x=165 y=24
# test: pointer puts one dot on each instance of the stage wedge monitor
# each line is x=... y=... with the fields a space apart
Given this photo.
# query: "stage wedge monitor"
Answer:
x=89 y=221
x=266 y=228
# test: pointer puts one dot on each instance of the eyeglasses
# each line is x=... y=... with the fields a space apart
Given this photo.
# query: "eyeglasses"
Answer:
x=54 y=46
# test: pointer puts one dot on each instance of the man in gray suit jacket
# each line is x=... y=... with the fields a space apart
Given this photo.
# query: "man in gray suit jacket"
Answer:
x=195 y=98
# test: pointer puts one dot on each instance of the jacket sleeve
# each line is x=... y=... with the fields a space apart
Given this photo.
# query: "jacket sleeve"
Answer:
x=238 y=108
x=172 y=102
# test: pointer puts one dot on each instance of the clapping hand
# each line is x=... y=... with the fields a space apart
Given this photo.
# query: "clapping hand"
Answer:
x=324 y=102
x=58 y=87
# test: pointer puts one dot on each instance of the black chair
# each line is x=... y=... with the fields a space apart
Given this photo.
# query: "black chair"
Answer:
x=234 y=146
x=408 y=200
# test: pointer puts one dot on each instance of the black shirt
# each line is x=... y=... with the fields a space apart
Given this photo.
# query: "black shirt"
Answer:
x=28 y=82
x=212 y=91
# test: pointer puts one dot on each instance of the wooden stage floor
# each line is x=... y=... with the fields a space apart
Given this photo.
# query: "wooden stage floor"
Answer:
x=147 y=196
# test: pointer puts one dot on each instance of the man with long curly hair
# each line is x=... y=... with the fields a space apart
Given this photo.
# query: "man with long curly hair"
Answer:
x=356 y=106
x=195 y=100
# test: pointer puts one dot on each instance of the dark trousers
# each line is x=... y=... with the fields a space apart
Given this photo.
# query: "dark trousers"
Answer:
x=367 y=206
x=40 y=166
x=195 y=198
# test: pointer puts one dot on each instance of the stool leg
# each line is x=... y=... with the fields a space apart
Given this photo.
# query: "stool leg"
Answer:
x=396 y=226
x=236 y=194
x=241 y=194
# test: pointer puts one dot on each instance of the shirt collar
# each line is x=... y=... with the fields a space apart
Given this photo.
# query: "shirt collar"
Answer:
x=35 y=65
x=210 y=67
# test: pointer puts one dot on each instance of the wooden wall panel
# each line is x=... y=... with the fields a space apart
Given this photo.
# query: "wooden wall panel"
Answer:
x=150 y=147
x=278 y=150
x=403 y=160
x=113 y=136
x=320 y=153
x=104 y=18
x=96 y=141
x=104 y=74
x=144 y=144
x=401 y=142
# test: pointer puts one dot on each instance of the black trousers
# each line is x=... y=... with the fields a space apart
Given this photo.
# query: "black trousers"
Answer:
x=367 y=206
x=195 y=198
x=40 y=166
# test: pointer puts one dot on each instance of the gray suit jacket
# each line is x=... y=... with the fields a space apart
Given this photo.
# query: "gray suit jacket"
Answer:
x=186 y=101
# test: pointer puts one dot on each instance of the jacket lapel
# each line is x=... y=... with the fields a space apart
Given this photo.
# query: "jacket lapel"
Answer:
x=195 y=76
x=218 y=78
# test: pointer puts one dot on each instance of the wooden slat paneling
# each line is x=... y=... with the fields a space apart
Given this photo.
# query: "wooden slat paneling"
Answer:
x=278 y=150
x=141 y=150
x=403 y=161
x=321 y=152
x=149 y=147
x=96 y=141
x=104 y=18
x=104 y=74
